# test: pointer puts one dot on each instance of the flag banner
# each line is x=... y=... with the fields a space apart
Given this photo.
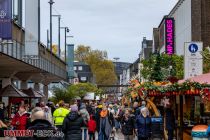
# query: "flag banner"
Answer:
x=6 y=19
x=31 y=28
x=70 y=60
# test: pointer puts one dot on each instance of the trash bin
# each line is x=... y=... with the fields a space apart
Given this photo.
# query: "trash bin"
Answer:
x=199 y=132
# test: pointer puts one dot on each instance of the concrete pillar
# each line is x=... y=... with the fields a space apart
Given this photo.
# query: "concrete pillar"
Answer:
x=45 y=91
x=36 y=87
x=24 y=85
x=6 y=82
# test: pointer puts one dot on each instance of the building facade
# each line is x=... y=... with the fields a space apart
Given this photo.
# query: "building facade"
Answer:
x=83 y=72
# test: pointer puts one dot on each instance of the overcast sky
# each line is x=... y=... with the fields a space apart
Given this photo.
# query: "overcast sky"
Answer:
x=117 y=26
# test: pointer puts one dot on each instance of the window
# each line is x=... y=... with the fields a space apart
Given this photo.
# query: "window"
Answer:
x=83 y=78
x=80 y=68
x=75 y=68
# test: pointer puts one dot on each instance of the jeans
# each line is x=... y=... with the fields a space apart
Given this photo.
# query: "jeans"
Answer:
x=128 y=137
x=91 y=136
x=102 y=136
x=85 y=134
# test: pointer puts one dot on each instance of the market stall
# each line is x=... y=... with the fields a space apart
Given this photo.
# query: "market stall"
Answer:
x=186 y=99
x=13 y=98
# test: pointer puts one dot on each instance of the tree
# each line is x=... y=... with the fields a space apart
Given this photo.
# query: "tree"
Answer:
x=149 y=66
x=157 y=74
x=206 y=60
x=102 y=69
x=77 y=90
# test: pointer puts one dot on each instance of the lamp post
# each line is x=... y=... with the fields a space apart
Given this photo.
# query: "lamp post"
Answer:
x=59 y=34
x=66 y=31
x=51 y=3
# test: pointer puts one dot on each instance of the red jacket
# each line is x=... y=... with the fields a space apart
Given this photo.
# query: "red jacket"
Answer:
x=22 y=119
x=91 y=125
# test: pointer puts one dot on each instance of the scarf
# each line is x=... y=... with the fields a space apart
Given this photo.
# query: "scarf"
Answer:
x=104 y=113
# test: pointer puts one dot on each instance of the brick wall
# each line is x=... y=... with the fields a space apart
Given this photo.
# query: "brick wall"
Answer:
x=196 y=20
x=205 y=22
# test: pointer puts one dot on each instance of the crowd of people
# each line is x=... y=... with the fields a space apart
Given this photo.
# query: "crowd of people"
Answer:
x=82 y=120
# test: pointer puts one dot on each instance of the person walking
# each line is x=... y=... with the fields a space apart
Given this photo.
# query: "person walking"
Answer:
x=97 y=117
x=20 y=119
x=136 y=109
x=86 y=117
x=59 y=114
x=143 y=123
x=72 y=125
x=39 y=122
x=170 y=122
x=91 y=128
x=128 y=125
x=106 y=124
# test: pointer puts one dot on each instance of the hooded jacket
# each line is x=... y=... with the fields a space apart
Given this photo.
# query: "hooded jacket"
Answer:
x=72 y=126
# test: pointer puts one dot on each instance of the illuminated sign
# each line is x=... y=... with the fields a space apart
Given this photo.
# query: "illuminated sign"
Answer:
x=169 y=36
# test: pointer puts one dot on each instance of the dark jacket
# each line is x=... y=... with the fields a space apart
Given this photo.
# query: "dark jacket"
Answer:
x=170 y=119
x=128 y=126
x=72 y=126
x=136 y=111
x=97 y=118
x=39 y=125
x=143 y=126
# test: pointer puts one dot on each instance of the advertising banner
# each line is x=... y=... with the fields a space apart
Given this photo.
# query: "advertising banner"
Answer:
x=31 y=28
x=169 y=35
x=193 y=60
x=70 y=60
x=6 y=19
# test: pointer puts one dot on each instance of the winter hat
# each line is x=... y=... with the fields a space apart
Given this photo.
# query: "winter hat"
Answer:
x=74 y=108
x=83 y=106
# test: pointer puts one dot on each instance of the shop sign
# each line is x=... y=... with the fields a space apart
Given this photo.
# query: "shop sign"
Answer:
x=6 y=19
x=169 y=36
x=193 y=60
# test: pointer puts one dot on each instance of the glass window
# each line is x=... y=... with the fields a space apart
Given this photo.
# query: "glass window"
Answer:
x=83 y=78
x=80 y=68
x=75 y=68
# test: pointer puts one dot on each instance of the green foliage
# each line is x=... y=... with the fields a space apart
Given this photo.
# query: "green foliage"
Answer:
x=151 y=67
x=77 y=90
x=157 y=74
x=206 y=60
x=102 y=68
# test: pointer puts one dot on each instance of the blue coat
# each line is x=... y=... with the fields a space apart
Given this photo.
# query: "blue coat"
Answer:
x=143 y=126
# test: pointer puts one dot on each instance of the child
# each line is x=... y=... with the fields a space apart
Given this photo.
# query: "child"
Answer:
x=91 y=128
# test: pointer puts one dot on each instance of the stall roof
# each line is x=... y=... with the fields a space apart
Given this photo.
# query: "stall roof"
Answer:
x=203 y=79
x=11 y=91
x=32 y=93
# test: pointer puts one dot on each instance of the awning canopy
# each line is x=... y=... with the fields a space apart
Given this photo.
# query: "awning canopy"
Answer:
x=32 y=93
x=11 y=91
x=204 y=78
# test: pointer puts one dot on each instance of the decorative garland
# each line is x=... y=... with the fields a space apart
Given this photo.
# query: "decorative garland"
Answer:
x=168 y=89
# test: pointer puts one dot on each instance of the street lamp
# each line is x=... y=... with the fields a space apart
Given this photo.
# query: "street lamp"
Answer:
x=59 y=34
x=51 y=3
x=66 y=31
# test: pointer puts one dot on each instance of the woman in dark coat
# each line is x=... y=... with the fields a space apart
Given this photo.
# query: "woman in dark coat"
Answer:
x=72 y=125
x=143 y=123
x=128 y=125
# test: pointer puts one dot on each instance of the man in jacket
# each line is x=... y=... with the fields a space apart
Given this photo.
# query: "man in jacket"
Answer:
x=59 y=115
x=72 y=125
x=106 y=124
x=128 y=125
x=143 y=123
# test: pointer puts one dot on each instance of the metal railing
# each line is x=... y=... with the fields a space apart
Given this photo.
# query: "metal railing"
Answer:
x=17 y=50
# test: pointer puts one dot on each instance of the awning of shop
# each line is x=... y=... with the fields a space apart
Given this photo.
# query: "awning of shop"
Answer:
x=32 y=93
x=11 y=91
x=204 y=78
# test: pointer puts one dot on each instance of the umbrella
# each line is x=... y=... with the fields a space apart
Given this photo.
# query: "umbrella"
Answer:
x=11 y=91
x=31 y=93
